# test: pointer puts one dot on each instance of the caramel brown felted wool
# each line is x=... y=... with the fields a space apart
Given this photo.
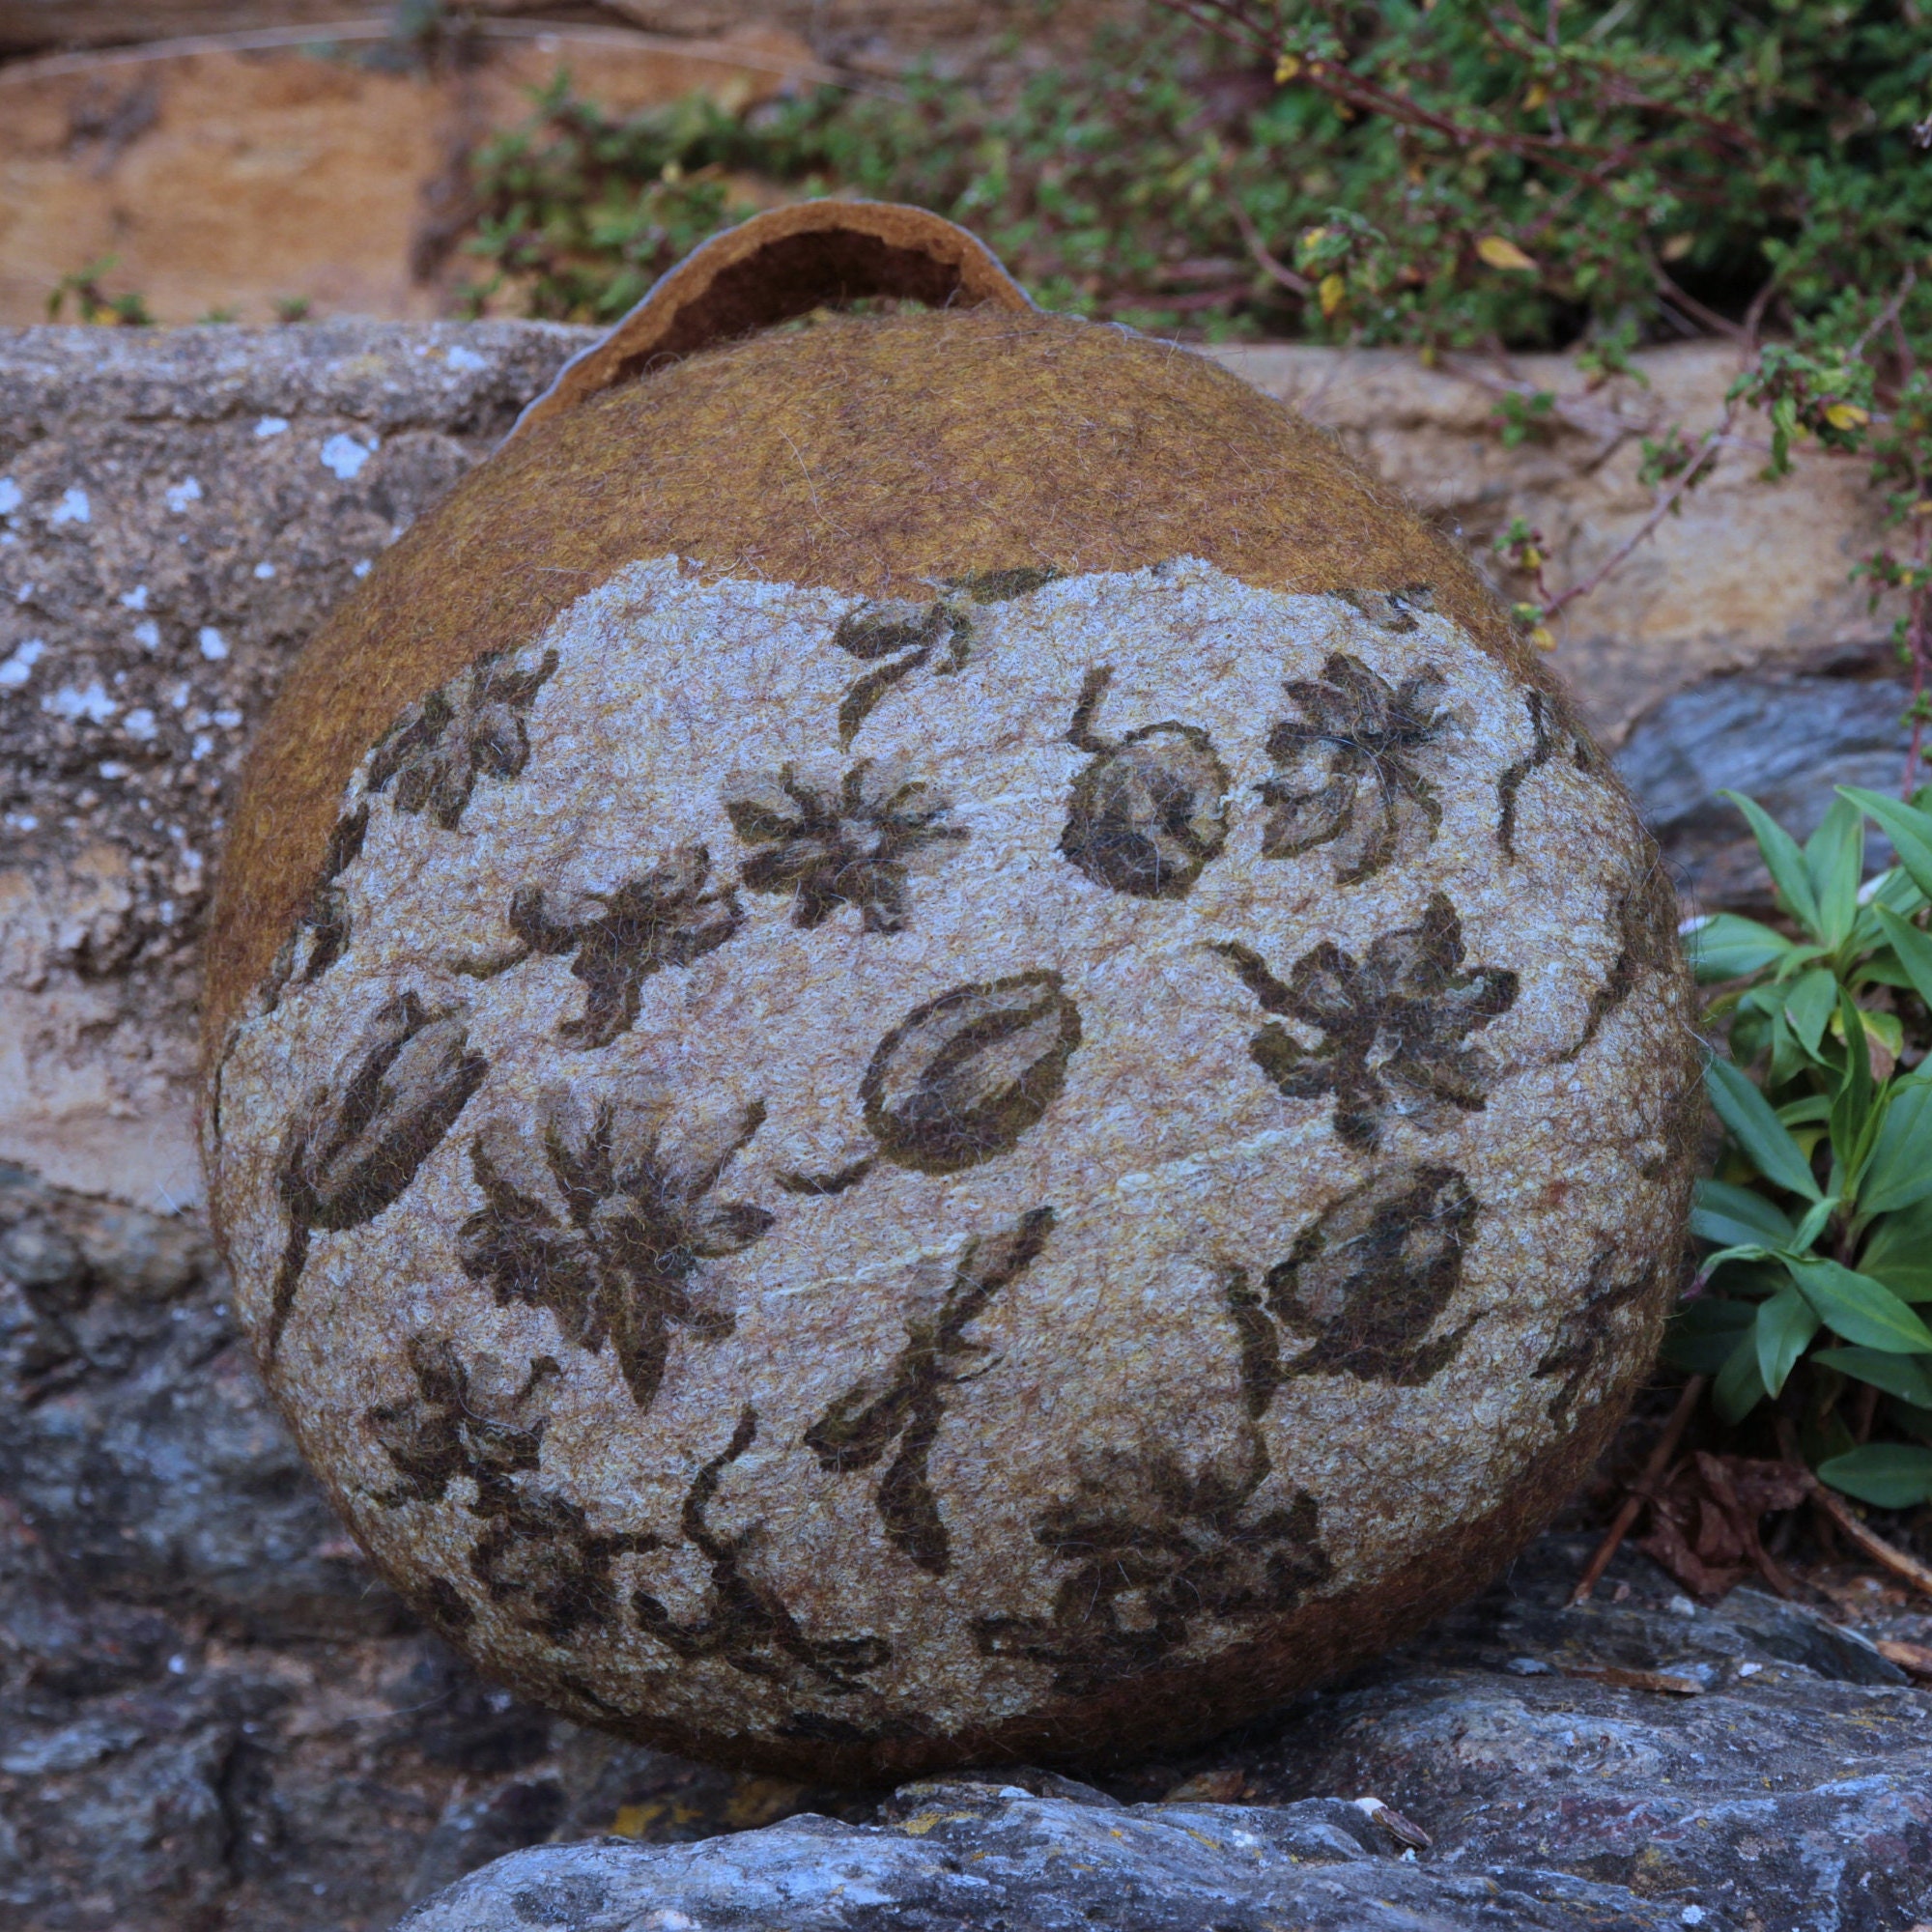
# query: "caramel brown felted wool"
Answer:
x=923 y=1046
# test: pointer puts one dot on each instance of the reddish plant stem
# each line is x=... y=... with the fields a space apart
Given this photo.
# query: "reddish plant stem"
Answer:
x=1639 y=1490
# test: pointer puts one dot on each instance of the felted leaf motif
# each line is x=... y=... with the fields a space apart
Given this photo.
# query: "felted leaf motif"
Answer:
x=353 y=1144
x=1354 y=764
x=663 y=916
x=604 y=1211
x=1583 y=1335
x=832 y=841
x=472 y=727
x=962 y=1077
x=744 y=1622
x=321 y=934
x=1392 y=1026
x=910 y=1403
x=538 y=1558
x=1152 y=1544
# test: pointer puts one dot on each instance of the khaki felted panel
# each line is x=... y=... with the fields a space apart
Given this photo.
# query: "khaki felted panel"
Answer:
x=778 y=266
x=876 y=457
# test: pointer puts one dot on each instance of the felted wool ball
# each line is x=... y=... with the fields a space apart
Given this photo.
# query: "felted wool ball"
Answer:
x=925 y=1045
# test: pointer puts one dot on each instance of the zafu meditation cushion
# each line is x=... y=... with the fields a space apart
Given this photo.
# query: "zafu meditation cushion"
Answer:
x=925 y=1043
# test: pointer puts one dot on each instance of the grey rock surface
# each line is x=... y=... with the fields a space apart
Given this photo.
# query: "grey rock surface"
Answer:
x=1784 y=740
x=951 y=1855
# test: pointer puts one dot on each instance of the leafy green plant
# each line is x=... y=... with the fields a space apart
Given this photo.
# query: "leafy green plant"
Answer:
x=92 y=303
x=1819 y=1218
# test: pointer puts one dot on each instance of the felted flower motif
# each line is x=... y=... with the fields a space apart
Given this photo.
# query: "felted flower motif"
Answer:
x=603 y=1211
x=832 y=841
x=1150 y=810
x=473 y=726
x=353 y=1144
x=1370 y=1278
x=1392 y=1026
x=664 y=917
x=1153 y=1545
x=1354 y=764
x=478 y=1420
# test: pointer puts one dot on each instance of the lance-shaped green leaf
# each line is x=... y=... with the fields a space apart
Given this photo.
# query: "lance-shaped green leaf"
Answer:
x=1737 y=1217
x=1739 y=1388
x=1809 y=1002
x=1785 y=1325
x=1909 y=829
x=1892 y=1475
x=1723 y=946
x=1862 y=1310
x=1784 y=862
x=1906 y=1377
x=1804 y=1236
x=1834 y=860
x=1899 y=1172
x=1757 y=1130
x=1704 y=1334
x=1913 y=948
x=1854 y=1120
x=1898 y=1251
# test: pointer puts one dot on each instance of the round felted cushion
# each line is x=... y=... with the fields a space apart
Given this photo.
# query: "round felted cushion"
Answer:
x=924 y=1044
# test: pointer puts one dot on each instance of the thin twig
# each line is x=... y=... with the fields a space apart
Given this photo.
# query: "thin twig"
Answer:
x=1888 y=314
x=1908 y=1569
x=1692 y=470
x=1270 y=265
x=1639 y=1491
x=1605 y=425
x=1668 y=285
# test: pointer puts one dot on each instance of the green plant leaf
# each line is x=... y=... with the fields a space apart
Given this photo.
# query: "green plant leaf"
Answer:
x=1909 y=830
x=1912 y=949
x=1862 y=1310
x=1899 y=1172
x=1854 y=1120
x=1758 y=1130
x=1906 y=1377
x=1893 y=1475
x=1784 y=862
x=1704 y=1334
x=1722 y=945
x=1898 y=1251
x=1737 y=1217
x=1834 y=857
x=1804 y=1236
x=1739 y=1388
x=1784 y=1327
x=1809 y=1002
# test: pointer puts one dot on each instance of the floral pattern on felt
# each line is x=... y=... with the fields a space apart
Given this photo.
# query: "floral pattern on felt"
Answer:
x=471 y=727
x=604 y=1211
x=835 y=841
x=1355 y=767
x=1153 y=1545
x=1393 y=1024
x=353 y=1144
x=663 y=916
